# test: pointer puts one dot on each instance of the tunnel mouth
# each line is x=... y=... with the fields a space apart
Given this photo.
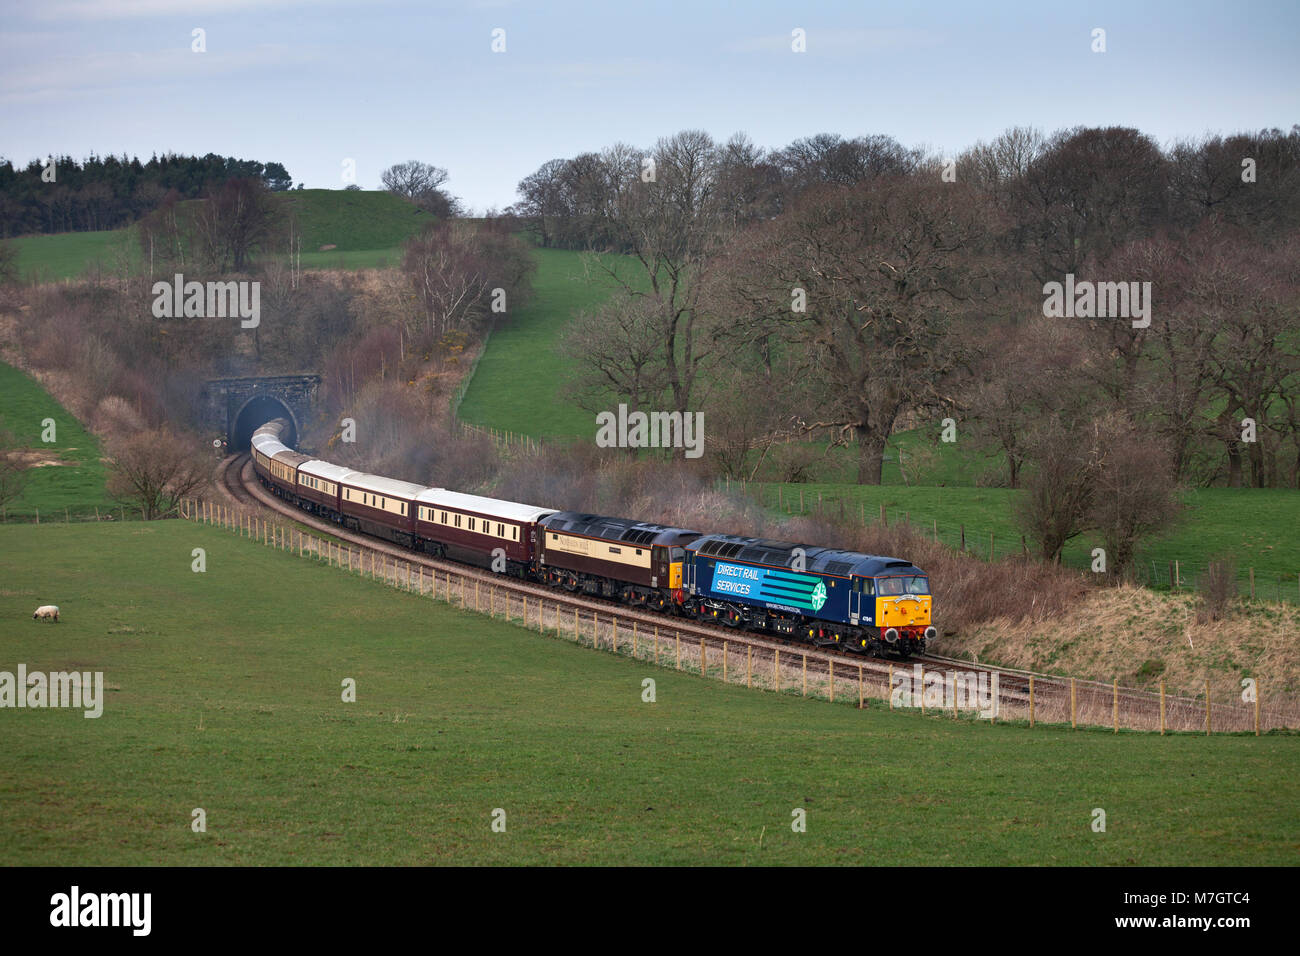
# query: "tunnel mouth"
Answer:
x=257 y=411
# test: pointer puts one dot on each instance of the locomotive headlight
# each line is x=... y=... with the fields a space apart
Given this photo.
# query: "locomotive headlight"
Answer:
x=891 y=635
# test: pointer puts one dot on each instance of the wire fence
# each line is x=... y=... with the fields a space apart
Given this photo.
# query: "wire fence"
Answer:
x=1175 y=575
x=72 y=516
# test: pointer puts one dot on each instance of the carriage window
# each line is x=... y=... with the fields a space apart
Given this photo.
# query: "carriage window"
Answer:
x=471 y=524
x=501 y=531
x=514 y=532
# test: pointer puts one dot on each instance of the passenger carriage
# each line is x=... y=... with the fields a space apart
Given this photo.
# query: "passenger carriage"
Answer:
x=384 y=507
x=475 y=529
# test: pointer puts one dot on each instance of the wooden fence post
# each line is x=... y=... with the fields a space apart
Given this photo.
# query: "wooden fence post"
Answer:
x=1257 y=696
x=861 y=692
x=921 y=676
x=1162 y=707
x=575 y=625
x=1207 y=707
x=1074 y=723
x=656 y=645
x=724 y=662
x=679 y=649
x=1252 y=583
x=889 y=691
x=1115 y=702
x=805 y=675
x=1031 y=700
x=831 y=674
x=633 y=637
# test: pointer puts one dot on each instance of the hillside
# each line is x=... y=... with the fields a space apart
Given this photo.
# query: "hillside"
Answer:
x=365 y=227
x=222 y=696
x=65 y=474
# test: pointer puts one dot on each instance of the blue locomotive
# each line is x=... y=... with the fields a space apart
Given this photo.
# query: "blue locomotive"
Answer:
x=865 y=602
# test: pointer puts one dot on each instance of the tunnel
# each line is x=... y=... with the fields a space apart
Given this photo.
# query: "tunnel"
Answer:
x=257 y=411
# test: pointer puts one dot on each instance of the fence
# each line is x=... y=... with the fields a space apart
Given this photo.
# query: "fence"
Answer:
x=68 y=516
x=952 y=691
x=502 y=439
x=1158 y=575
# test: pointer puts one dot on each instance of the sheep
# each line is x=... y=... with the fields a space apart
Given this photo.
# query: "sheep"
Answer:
x=47 y=612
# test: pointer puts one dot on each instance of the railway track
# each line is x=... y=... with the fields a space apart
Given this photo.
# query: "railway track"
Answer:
x=778 y=663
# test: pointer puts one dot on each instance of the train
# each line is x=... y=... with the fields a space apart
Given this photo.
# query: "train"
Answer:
x=869 y=604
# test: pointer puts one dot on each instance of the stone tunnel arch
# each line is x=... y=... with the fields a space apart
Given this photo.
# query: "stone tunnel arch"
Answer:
x=255 y=413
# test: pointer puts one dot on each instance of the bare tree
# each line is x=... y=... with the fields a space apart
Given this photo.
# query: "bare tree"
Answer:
x=1135 y=496
x=1058 y=490
x=413 y=179
x=234 y=221
x=421 y=183
x=456 y=270
x=154 y=470
x=671 y=225
x=866 y=284
x=14 y=473
x=620 y=347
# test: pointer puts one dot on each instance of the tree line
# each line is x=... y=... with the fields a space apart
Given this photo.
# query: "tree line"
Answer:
x=844 y=289
x=109 y=192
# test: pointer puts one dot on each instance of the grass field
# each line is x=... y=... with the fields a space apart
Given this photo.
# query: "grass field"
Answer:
x=70 y=254
x=520 y=381
x=224 y=693
x=77 y=484
x=366 y=227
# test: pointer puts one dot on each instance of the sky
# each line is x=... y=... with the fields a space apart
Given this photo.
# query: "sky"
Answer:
x=314 y=84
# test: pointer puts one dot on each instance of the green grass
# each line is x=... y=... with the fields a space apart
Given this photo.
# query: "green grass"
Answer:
x=77 y=486
x=520 y=381
x=70 y=254
x=354 y=220
x=367 y=227
x=1248 y=523
x=225 y=694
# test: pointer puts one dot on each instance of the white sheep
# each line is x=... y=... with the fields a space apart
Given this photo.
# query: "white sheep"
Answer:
x=47 y=612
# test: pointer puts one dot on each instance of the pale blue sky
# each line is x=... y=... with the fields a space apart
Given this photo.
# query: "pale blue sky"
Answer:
x=310 y=83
